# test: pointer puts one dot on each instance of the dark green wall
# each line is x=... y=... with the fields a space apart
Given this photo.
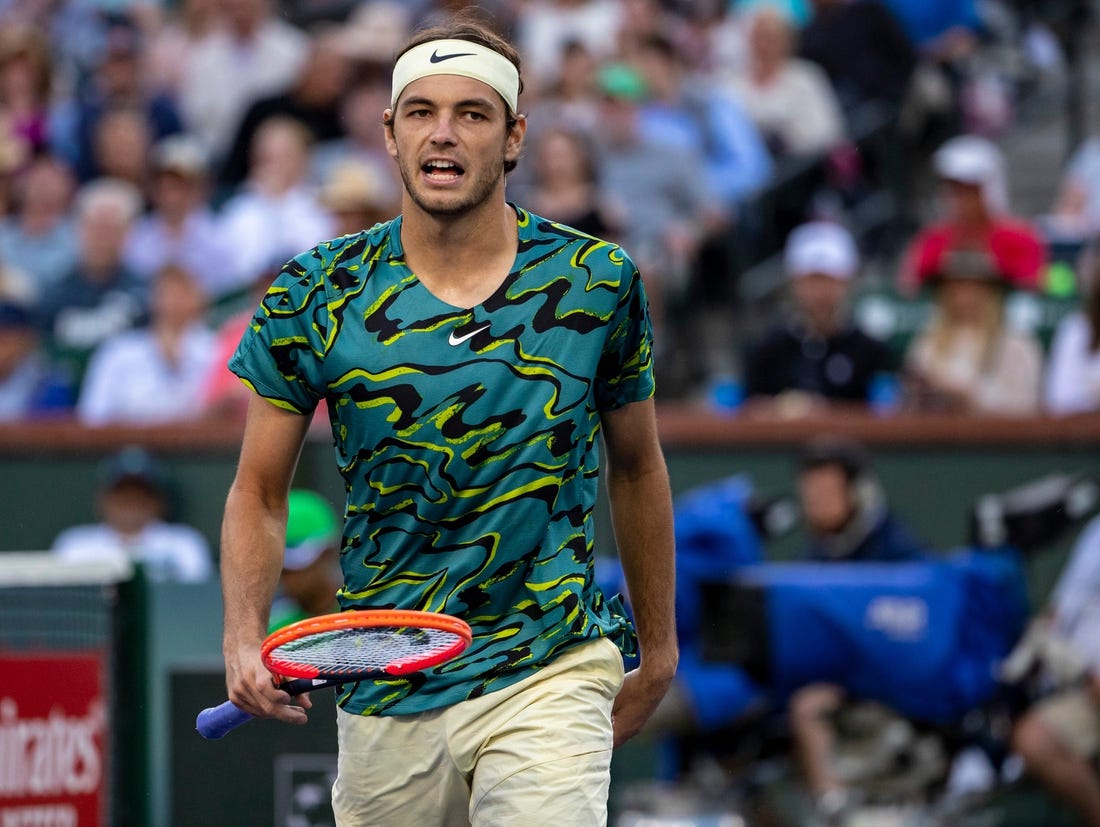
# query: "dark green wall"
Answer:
x=930 y=487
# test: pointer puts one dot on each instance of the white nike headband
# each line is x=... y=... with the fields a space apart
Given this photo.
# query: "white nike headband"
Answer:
x=457 y=57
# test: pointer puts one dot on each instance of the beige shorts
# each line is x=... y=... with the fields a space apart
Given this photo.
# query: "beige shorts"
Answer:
x=1073 y=717
x=535 y=753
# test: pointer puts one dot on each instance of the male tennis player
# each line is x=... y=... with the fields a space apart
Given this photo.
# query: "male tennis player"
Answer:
x=472 y=355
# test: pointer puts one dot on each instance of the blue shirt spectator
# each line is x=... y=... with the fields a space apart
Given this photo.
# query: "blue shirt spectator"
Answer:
x=927 y=20
x=30 y=385
x=181 y=228
x=692 y=116
x=117 y=83
x=38 y=237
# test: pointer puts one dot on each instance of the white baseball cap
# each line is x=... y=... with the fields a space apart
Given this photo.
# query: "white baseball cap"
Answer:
x=974 y=160
x=970 y=159
x=823 y=248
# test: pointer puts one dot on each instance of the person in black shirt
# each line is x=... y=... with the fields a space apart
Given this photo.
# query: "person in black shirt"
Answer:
x=314 y=100
x=863 y=49
x=816 y=354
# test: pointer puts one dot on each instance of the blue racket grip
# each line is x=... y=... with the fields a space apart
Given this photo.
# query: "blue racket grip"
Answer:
x=215 y=721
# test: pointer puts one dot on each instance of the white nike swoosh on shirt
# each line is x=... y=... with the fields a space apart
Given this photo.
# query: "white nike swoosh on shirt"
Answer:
x=457 y=340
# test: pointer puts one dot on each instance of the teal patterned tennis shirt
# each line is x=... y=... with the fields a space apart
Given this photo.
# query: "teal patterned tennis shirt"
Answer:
x=468 y=439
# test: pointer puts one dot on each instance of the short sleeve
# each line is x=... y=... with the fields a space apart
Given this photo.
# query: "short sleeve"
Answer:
x=625 y=372
x=281 y=354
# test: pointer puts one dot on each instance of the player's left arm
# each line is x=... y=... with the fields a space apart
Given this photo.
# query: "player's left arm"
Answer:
x=641 y=515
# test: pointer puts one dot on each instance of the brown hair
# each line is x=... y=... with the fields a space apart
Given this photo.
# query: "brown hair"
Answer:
x=25 y=43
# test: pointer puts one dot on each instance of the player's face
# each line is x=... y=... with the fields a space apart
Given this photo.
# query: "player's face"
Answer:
x=450 y=138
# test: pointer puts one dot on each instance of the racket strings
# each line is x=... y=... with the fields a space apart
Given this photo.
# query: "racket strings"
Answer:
x=352 y=651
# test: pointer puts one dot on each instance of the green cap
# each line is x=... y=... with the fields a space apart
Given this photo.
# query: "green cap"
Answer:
x=622 y=82
x=311 y=527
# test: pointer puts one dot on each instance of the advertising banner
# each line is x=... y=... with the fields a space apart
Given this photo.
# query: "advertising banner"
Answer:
x=54 y=749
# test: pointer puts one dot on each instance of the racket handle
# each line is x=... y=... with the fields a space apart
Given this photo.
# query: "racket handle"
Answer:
x=299 y=686
x=215 y=721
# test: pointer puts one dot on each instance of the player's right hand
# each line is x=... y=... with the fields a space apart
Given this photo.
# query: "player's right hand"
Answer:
x=254 y=689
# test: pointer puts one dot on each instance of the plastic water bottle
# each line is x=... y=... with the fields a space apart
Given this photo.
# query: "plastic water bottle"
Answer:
x=726 y=393
x=884 y=395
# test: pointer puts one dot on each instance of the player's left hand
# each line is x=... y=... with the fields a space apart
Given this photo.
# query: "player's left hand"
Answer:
x=641 y=692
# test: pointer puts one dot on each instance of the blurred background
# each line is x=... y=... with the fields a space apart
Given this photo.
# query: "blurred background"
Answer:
x=867 y=230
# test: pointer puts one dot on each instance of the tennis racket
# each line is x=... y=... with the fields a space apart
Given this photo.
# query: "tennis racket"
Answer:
x=346 y=647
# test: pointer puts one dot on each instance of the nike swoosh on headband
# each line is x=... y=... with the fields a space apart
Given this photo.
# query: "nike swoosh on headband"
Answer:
x=457 y=340
x=436 y=57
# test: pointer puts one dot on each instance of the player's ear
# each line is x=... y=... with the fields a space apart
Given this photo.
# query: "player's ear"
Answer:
x=517 y=130
x=387 y=128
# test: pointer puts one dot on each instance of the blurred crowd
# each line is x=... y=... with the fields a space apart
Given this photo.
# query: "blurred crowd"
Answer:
x=160 y=161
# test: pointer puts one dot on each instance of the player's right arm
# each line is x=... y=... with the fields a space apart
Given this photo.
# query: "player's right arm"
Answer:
x=253 y=538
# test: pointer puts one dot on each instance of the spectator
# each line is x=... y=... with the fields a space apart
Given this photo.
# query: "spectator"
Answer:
x=565 y=188
x=355 y=197
x=26 y=84
x=939 y=28
x=790 y=99
x=687 y=112
x=572 y=98
x=153 y=374
x=313 y=99
x=816 y=355
x=1059 y=736
x=132 y=505
x=798 y=12
x=1076 y=211
x=863 y=49
x=251 y=55
x=721 y=39
x=121 y=144
x=968 y=360
x=181 y=228
x=39 y=237
x=362 y=141
x=975 y=216
x=643 y=20
x=30 y=386
x=118 y=82
x=544 y=27
x=100 y=296
x=277 y=212
x=847 y=519
x=1073 y=370
x=660 y=198
x=172 y=46
x=374 y=31
x=311 y=573
x=948 y=37
x=844 y=508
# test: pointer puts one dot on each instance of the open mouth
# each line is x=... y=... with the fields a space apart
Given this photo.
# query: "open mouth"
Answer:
x=442 y=171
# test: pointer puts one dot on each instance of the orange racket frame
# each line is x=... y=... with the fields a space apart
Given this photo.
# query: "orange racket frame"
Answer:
x=367 y=619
